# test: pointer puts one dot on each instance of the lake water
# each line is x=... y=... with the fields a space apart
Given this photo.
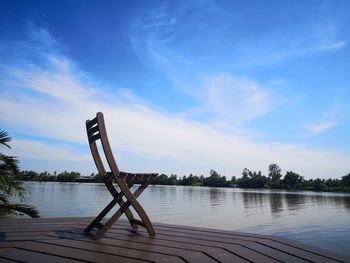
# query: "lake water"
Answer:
x=319 y=219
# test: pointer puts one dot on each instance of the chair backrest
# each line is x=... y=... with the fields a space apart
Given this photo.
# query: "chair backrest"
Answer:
x=96 y=130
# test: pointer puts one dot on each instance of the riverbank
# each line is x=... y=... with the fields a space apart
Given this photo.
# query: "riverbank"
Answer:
x=249 y=179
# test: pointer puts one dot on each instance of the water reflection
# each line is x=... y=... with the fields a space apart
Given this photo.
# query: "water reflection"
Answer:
x=294 y=202
x=216 y=196
x=252 y=200
x=344 y=201
x=276 y=204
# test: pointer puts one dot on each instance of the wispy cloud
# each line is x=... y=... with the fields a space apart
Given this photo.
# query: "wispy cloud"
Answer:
x=43 y=151
x=234 y=99
x=328 y=39
x=319 y=127
x=225 y=98
x=334 y=46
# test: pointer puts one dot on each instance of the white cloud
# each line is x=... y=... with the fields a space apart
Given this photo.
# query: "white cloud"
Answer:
x=58 y=100
x=328 y=39
x=235 y=99
x=334 y=46
x=139 y=130
x=319 y=127
x=44 y=151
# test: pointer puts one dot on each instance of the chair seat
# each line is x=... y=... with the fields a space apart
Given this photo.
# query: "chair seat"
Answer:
x=139 y=176
x=132 y=177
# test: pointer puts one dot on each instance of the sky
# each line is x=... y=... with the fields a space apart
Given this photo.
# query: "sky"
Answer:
x=185 y=86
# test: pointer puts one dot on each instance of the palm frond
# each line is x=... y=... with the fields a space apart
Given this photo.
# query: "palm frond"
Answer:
x=3 y=198
x=8 y=164
x=5 y=138
x=9 y=187
x=7 y=209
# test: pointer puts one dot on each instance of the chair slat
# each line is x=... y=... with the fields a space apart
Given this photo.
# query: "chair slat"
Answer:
x=93 y=130
x=94 y=137
x=90 y=123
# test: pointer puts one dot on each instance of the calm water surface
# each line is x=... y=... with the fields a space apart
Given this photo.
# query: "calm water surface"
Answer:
x=320 y=219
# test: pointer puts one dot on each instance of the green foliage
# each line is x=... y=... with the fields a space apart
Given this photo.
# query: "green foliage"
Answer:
x=163 y=179
x=275 y=176
x=346 y=180
x=215 y=180
x=292 y=181
x=28 y=175
x=8 y=209
x=67 y=177
x=244 y=181
x=192 y=180
x=320 y=185
x=233 y=181
x=173 y=180
x=4 y=139
x=8 y=185
x=252 y=179
x=249 y=179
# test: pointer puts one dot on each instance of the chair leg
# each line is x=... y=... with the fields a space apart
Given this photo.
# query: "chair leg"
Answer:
x=144 y=217
x=112 y=220
x=108 y=208
x=124 y=208
x=103 y=213
x=138 y=208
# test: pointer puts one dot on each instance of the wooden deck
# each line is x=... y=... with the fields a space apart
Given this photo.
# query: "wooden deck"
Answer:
x=62 y=240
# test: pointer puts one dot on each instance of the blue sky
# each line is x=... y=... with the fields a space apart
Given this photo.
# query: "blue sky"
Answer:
x=186 y=86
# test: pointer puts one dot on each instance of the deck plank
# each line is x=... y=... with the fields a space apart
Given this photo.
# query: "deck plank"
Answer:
x=223 y=252
x=4 y=260
x=219 y=253
x=76 y=254
x=236 y=250
x=298 y=252
x=22 y=255
x=115 y=249
x=162 y=245
x=63 y=240
x=312 y=249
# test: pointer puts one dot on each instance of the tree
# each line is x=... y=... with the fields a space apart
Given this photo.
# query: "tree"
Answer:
x=319 y=185
x=28 y=175
x=173 y=180
x=292 y=181
x=257 y=180
x=275 y=176
x=8 y=186
x=68 y=177
x=215 y=180
x=192 y=180
x=161 y=180
x=244 y=181
x=252 y=179
x=233 y=181
x=346 y=180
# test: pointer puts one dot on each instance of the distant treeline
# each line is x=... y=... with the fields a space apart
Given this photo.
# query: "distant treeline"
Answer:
x=249 y=179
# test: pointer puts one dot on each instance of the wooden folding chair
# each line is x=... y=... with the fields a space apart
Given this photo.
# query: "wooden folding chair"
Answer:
x=96 y=130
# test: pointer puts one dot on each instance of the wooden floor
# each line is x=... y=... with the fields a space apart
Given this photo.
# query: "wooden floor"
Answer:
x=62 y=240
